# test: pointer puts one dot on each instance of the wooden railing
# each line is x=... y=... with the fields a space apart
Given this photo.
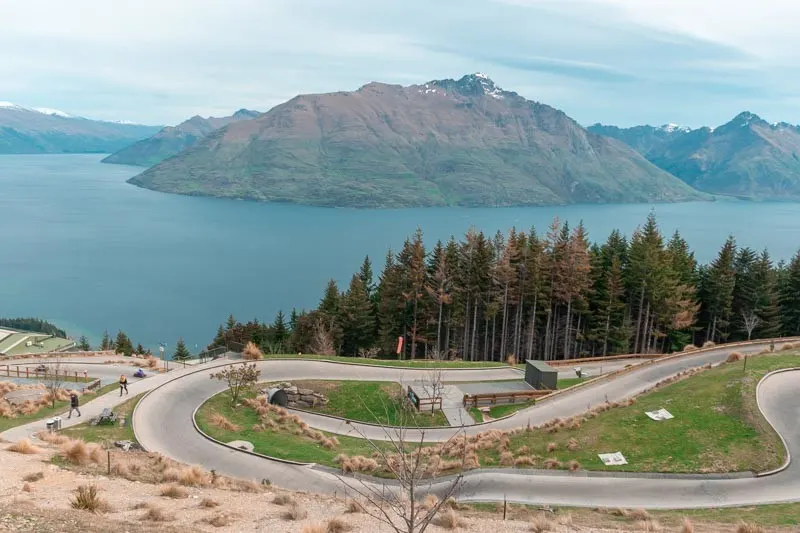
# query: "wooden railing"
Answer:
x=426 y=403
x=477 y=400
x=20 y=372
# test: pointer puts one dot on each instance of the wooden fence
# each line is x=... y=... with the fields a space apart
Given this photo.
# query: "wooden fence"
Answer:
x=478 y=400
x=25 y=372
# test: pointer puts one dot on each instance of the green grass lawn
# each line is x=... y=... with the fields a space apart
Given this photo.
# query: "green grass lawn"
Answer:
x=566 y=383
x=413 y=363
x=108 y=432
x=281 y=442
x=376 y=402
x=48 y=412
x=498 y=411
x=717 y=427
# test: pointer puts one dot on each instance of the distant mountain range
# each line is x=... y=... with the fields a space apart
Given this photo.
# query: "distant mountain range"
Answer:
x=446 y=142
x=44 y=130
x=173 y=139
x=746 y=158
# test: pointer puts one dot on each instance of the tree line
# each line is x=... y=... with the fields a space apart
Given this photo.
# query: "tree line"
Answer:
x=33 y=325
x=542 y=296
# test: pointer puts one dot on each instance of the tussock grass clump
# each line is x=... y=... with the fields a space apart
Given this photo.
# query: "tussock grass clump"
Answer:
x=313 y=528
x=449 y=520
x=734 y=357
x=430 y=501
x=87 y=499
x=687 y=526
x=24 y=446
x=216 y=419
x=155 y=514
x=294 y=512
x=573 y=466
x=252 y=352
x=541 y=523
x=337 y=525
x=218 y=520
x=551 y=447
x=573 y=444
x=174 y=491
x=689 y=348
x=506 y=459
x=709 y=344
x=552 y=463
x=353 y=507
x=27 y=488
x=31 y=478
x=565 y=520
x=787 y=346
x=283 y=499
x=746 y=527
x=208 y=503
x=193 y=476
x=638 y=514
x=525 y=460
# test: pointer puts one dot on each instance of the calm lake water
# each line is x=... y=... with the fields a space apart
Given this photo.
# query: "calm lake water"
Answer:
x=80 y=247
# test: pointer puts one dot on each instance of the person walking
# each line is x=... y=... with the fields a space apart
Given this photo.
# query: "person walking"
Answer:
x=73 y=404
x=123 y=384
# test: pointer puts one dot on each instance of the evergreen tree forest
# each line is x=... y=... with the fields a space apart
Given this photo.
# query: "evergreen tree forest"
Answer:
x=552 y=295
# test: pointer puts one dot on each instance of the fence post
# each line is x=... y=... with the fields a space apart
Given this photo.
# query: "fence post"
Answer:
x=505 y=506
x=109 y=462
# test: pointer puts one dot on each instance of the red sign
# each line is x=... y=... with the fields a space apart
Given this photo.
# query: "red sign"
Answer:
x=399 y=344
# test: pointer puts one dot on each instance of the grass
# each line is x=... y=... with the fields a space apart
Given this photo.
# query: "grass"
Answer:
x=413 y=363
x=717 y=427
x=566 y=383
x=107 y=432
x=48 y=412
x=378 y=402
x=498 y=411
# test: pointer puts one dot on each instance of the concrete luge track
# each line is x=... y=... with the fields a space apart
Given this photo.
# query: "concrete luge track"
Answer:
x=163 y=422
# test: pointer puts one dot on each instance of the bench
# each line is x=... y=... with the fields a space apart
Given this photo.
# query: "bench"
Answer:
x=107 y=417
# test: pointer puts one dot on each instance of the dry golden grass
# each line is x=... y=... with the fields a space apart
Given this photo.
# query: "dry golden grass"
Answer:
x=552 y=463
x=77 y=452
x=24 y=446
x=734 y=357
x=337 y=525
x=687 y=526
x=449 y=519
x=155 y=514
x=218 y=520
x=429 y=501
x=283 y=499
x=173 y=491
x=313 y=528
x=193 y=476
x=541 y=523
x=216 y=419
x=638 y=514
x=208 y=503
x=787 y=346
x=709 y=344
x=689 y=348
x=506 y=459
x=565 y=520
x=87 y=499
x=573 y=444
x=551 y=447
x=353 y=507
x=252 y=352
x=746 y=527
x=525 y=460
x=574 y=466
x=294 y=512
x=31 y=478
x=27 y=488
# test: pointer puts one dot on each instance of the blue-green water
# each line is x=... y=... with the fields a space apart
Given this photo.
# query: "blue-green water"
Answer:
x=82 y=248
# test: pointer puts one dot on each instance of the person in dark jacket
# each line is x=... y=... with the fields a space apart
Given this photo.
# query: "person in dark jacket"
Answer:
x=73 y=404
x=123 y=384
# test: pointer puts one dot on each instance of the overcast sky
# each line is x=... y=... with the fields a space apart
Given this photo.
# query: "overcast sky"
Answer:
x=626 y=62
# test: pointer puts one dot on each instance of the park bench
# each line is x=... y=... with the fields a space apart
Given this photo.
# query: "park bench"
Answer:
x=106 y=417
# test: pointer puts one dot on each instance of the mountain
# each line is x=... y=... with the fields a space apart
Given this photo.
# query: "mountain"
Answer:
x=746 y=158
x=459 y=142
x=643 y=139
x=173 y=139
x=44 y=130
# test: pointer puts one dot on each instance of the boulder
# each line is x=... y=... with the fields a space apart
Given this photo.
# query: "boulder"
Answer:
x=302 y=404
x=291 y=404
x=305 y=392
x=291 y=390
x=284 y=385
x=310 y=398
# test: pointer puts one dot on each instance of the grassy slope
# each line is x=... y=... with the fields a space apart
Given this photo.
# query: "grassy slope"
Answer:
x=369 y=401
x=108 y=432
x=60 y=408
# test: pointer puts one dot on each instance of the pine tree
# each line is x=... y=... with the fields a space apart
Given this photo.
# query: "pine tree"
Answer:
x=221 y=338
x=181 y=352
x=83 y=344
x=790 y=298
x=367 y=278
x=231 y=323
x=391 y=305
x=280 y=333
x=293 y=319
x=721 y=281
x=357 y=318
x=745 y=292
x=330 y=300
x=123 y=344
x=767 y=299
x=140 y=349
x=106 y=343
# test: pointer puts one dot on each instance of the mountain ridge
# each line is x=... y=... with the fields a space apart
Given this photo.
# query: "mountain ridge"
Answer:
x=460 y=142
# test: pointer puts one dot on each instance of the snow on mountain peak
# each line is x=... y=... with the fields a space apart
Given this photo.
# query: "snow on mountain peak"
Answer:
x=10 y=105
x=49 y=111
x=671 y=128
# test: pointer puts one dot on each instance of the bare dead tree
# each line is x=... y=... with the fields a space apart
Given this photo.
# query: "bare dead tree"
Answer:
x=751 y=322
x=398 y=505
x=322 y=339
x=53 y=380
x=432 y=384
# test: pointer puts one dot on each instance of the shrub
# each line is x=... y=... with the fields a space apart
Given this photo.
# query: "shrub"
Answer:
x=746 y=527
x=208 y=503
x=525 y=460
x=689 y=348
x=337 y=525
x=733 y=357
x=448 y=520
x=506 y=459
x=156 y=514
x=218 y=520
x=283 y=499
x=551 y=447
x=24 y=446
x=174 y=491
x=574 y=466
x=787 y=346
x=36 y=476
x=541 y=523
x=295 y=512
x=709 y=344
x=193 y=476
x=252 y=352
x=86 y=499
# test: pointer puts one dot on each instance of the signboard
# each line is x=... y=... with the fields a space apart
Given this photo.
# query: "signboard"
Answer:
x=661 y=414
x=399 y=344
x=613 y=459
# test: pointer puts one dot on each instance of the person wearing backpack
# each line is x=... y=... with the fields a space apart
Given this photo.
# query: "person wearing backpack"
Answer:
x=73 y=404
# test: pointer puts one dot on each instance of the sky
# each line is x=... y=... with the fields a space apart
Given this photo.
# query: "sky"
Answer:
x=624 y=62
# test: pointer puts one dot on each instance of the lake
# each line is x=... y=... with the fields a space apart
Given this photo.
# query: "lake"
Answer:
x=81 y=248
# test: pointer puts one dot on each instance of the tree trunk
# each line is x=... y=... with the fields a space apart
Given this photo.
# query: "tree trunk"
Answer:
x=566 y=329
x=608 y=328
x=474 y=327
x=505 y=324
x=439 y=325
x=414 y=330
x=532 y=332
x=494 y=334
x=639 y=321
x=465 y=355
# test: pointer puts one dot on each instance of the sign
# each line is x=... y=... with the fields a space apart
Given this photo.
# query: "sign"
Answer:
x=399 y=344
x=661 y=414
x=613 y=459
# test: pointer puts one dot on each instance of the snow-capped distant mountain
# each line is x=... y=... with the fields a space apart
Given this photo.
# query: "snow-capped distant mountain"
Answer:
x=46 y=130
